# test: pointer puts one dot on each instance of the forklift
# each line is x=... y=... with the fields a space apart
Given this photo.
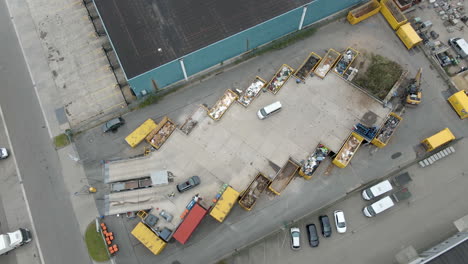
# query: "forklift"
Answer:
x=413 y=91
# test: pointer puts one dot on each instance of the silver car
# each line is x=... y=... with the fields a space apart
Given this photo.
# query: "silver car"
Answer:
x=295 y=238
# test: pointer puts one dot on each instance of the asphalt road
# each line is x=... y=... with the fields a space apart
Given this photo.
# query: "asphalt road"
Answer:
x=57 y=229
x=425 y=219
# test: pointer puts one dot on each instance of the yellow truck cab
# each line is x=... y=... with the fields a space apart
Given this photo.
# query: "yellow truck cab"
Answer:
x=437 y=140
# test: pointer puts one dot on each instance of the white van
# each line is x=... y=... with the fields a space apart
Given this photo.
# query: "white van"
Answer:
x=378 y=207
x=377 y=190
x=460 y=46
x=268 y=110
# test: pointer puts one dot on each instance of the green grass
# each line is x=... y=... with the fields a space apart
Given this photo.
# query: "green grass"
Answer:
x=61 y=141
x=96 y=246
x=380 y=76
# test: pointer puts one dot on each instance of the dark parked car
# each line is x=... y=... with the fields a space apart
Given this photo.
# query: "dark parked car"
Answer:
x=313 y=235
x=325 y=225
x=113 y=125
x=189 y=184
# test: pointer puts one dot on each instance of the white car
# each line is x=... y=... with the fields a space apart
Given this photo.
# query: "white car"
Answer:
x=340 y=221
x=295 y=238
x=3 y=153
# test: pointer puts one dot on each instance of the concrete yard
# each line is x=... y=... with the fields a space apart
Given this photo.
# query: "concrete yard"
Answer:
x=234 y=149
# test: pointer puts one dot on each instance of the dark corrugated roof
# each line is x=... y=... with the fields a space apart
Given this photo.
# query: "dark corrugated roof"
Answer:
x=138 y=28
x=456 y=255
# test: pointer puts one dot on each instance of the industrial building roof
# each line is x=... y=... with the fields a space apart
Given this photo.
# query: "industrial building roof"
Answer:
x=456 y=255
x=149 y=33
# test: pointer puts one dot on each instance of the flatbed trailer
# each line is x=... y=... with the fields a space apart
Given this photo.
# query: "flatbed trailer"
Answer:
x=223 y=104
x=249 y=197
x=252 y=91
x=327 y=62
x=161 y=133
x=313 y=161
x=346 y=60
x=387 y=130
x=280 y=78
x=363 y=12
x=124 y=186
x=348 y=150
x=140 y=133
x=307 y=66
x=283 y=177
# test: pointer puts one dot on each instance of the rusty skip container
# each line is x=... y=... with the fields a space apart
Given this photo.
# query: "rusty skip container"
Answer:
x=283 y=177
x=249 y=197
x=363 y=12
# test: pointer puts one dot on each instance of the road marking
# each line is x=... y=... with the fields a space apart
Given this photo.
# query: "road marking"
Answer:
x=29 y=70
x=28 y=209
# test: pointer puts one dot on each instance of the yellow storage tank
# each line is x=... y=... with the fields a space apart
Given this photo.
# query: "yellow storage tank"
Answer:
x=392 y=14
x=224 y=204
x=148 y=238
x=437 y=140
x=408 y=36
x=459 y=102
x=140 y=133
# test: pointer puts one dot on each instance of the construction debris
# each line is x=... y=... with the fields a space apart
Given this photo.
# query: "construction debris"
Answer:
x=386 y=131
x=280 y=78
x=250 y=195
x=327 y=63
x=348 y=150
x=223 y=104
x=161 y=133
x=348 y=57
x=308 y=66
x=252 y=91
x=193 y=120
x=313 y=161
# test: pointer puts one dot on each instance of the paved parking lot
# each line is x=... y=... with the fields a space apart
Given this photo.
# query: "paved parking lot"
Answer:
x=423 y=220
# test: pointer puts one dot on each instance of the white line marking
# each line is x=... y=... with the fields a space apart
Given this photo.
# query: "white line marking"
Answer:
x=29 y=69
x=28 y=209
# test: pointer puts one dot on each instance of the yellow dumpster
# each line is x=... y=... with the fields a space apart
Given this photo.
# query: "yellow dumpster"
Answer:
x=140 y=133
x=392 y=14
x=224 y=204
x=363 y=12
x=437 y=140
x=459 y=102
x=148 y=238
x=408 y=36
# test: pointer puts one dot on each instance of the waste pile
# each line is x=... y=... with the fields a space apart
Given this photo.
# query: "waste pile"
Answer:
x=314 y=160
x=367 y=132
x=222 y=105
x=281 y=76
x=161 y=133
x=327 y=63
x=348 y=57
x=348 y=149
x=252 y=91
x=388 y=128
x=307 y=66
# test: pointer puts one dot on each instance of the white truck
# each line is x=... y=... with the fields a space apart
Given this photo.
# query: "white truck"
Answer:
x=10 y=241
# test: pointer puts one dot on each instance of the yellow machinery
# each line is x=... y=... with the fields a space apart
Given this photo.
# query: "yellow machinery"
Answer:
x=414 y=90
x=459 y=102
x=148 y=238
x=444 y=136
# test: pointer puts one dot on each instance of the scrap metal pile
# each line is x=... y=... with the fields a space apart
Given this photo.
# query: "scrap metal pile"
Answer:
x=367 y=132
x=252 y=92
x=388 y=128
x=345 y=61
x=313 y=161
x=218 y=110
x=308 y=66
x=281 y=76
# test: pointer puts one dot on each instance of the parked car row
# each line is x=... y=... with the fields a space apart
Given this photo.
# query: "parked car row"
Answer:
x=312 y=234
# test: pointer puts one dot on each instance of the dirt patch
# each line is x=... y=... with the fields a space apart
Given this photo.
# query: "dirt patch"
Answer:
x=377 y=74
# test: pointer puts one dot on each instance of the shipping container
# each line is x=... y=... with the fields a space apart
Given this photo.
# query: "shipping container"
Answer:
x=408 y=36
x=392 y=14
x=459 y=102
x=148 y=238
x=139 y=134
x=363 y=12
x=224 y=204
x=441 y=138
x=190 y=223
